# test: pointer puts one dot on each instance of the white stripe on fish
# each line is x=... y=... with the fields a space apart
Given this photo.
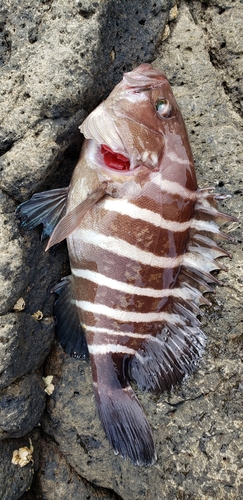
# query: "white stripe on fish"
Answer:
x=124 y=249
x=118 y=349
x=101 y=279
x=173 y=187
x=117 y=333
x=124 y=207
x=130 y=316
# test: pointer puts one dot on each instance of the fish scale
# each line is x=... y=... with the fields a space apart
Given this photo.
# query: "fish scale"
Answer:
x=142 y=242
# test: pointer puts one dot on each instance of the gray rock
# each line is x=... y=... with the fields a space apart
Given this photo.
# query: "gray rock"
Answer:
x=21 y=406
x=56 y=480
x=197 y=426
x=14 y=480
x=225 y=44
x=24 y=345
x=59 y=61
x=13 y=253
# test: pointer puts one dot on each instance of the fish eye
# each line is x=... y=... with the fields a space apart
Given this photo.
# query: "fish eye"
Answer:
x=164 y=108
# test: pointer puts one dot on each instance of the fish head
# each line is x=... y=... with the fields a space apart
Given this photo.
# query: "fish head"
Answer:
x=138 y=125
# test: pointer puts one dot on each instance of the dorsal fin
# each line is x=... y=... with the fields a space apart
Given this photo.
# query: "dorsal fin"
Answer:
x=71 y=221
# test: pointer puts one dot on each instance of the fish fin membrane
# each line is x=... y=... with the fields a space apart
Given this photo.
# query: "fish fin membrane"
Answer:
x=46 y=208
x=68 y=328
x=126 y=426
x=71 y=221
x=172 y=354
x=168 y=358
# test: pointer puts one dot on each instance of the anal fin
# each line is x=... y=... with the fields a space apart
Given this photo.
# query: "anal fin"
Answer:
x=46 y=208
x=68 y=328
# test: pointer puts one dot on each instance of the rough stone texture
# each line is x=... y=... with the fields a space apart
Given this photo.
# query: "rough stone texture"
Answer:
x=60 y=58
x=54 y=55
x=58 y=61
x=222 y=23
x=21 y=406
x=14 y=480
x=24 y=345
x=56 y=480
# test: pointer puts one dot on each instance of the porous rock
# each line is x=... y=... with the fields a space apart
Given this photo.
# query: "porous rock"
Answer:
x=197 y=427
x=55 y=479
x=59 y=61
x=13 y=254
x=222 y=21
x=21 y=406
x=14 y=480
x=24 y=344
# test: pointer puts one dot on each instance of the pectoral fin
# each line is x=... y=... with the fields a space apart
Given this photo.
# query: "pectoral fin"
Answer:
x=71 y=221
x=45 y=208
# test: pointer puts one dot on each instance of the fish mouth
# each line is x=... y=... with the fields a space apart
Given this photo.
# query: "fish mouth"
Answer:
x=113 y=160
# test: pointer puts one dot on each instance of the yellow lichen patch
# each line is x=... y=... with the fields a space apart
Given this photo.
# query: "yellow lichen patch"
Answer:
x=23 y=456
x=38 y=315
x=166 y=32
x=48 y=384
x=173 y=13
x=20 y=305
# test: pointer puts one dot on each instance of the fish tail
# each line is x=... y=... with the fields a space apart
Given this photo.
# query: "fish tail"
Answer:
x=122 y=417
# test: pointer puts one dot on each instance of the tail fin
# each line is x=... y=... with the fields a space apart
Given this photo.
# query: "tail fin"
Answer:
x=122 y=417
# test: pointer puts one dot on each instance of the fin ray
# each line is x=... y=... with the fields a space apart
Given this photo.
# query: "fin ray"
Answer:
x=45 y=208
x=71 y=220
x=69 y=330
x=122 y=417
x=166 y=365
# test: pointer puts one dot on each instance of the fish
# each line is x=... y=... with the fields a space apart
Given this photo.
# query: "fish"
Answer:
x=143 y=241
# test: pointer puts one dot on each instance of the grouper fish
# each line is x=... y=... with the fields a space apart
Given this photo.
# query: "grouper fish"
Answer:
x=142 y=242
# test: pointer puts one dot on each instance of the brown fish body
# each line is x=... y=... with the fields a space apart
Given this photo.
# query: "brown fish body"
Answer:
x=140 y=237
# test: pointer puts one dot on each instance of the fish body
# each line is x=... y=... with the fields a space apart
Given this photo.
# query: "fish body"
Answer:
x=140 y=238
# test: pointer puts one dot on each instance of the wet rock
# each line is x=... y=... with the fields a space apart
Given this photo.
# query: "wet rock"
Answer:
x=14 y=480
x=21 y=406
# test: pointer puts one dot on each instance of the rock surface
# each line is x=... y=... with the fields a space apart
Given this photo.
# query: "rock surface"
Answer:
x=21 y=406
x=53 y=57
x=54 y=478
x=14 y=480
